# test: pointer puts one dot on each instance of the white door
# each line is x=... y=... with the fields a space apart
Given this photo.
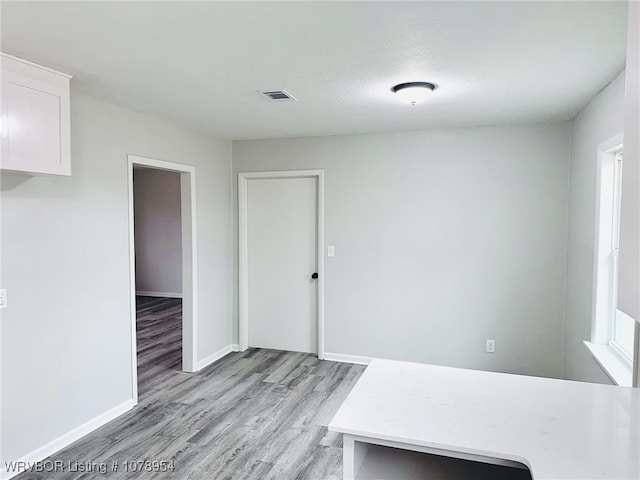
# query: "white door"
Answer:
x=282 y=257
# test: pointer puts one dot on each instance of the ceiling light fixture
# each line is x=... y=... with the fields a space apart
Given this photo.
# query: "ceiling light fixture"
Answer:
x=414 y=92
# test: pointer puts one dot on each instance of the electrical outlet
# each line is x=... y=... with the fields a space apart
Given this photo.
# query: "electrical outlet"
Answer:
x=491 y=346
x=3 y=298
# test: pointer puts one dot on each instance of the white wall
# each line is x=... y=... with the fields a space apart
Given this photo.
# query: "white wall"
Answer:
x=629 y=282
x=598 y=121
x=630 y=244
x=65 y=261
x=443 y=238
x=158 y=231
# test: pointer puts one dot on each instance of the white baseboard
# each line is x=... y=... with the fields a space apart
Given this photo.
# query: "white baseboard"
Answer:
x=343 y=357
x=159 y=294
x=205 y=362
x=68 y=438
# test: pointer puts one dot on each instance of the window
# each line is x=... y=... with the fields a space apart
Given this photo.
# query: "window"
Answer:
x=622 y=327
x=612 y=334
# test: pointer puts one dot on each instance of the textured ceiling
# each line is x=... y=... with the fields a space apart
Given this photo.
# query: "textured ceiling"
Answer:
x=200 y=63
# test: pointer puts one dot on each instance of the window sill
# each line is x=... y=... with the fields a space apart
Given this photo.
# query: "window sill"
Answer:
x=616 y=369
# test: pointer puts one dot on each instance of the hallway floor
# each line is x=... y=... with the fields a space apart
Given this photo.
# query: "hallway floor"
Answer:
x=159 y=335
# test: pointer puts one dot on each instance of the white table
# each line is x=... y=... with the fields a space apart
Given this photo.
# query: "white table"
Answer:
x=557 y=429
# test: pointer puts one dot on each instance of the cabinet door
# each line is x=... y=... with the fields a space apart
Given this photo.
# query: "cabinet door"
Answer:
x=36 y=120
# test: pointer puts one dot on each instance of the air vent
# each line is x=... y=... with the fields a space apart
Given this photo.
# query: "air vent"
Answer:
x=278 y=95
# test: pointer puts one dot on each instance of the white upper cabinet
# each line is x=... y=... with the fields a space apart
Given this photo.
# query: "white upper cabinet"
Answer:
x=35 y=118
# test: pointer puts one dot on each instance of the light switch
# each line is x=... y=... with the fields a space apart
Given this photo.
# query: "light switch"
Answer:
x=3 y=298
x=331 y=251
x=491 y=345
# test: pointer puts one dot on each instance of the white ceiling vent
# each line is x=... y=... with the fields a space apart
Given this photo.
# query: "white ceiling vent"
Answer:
x=278 y=95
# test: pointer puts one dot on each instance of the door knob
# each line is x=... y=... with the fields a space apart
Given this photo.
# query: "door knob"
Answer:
x=315 y=275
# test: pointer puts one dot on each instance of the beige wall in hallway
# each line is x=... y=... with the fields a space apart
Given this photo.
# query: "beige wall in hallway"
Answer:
x=158 y=231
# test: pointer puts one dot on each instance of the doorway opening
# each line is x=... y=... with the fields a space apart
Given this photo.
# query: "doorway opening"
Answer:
x=162 y=247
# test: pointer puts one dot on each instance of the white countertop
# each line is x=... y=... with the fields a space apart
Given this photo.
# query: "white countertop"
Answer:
x=559 y=429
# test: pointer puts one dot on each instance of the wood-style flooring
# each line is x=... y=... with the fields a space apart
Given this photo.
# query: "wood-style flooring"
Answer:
x=159 y=339
x=258 y=414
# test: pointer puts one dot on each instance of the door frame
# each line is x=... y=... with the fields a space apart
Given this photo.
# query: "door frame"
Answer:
x=189 y=262
x=243 y=266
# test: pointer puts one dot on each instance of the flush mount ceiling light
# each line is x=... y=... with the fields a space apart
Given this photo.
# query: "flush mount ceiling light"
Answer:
x=414 y=92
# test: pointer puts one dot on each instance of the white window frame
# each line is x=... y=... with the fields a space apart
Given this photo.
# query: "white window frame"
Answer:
x=615 y=313
x=614 y=360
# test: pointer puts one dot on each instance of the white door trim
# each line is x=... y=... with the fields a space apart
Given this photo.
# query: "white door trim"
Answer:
x=189 y=263
x=243 y=272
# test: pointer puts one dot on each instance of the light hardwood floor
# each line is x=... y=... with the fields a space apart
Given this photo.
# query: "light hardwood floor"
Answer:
x=258 y=414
